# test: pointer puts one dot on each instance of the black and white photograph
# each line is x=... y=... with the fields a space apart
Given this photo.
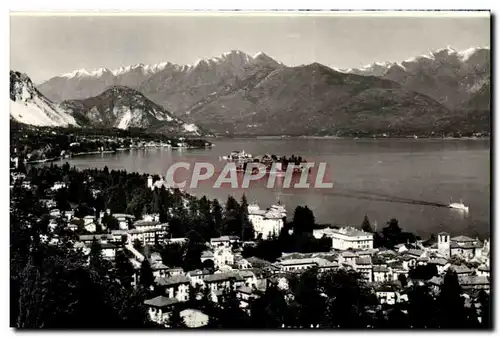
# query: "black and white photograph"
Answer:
x=250 y=170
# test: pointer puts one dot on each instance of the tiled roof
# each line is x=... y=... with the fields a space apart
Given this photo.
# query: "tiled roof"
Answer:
x=96 y=236
x=143 y=223
x=158 y=266
x=473 y=280
x=484 y=268
x=349 y=254
x=160 y=301
x=462 y=238
x=439 y=261
x=220 y=277
x=415 y=252
x=172 y=280
x=462 y=269
x=225 y=238
x=380 y=269
x=465 y=244
x=363 y=261
x=435 y=280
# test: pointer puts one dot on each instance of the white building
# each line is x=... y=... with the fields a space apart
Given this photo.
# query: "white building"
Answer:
x=223 y=256
x=266 y=222
x=346 y=237
x=159 y=308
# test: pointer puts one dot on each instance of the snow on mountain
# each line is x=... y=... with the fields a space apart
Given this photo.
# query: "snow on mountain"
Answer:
x=445 y=74
x=29 y=106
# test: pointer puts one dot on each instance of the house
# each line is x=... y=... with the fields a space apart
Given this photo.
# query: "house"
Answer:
x=462 y=270
x=346 y=237
x=386 y=293
x=58 y=185
x=151 y=217
x=223 y=256
x=108 y=250
x=175 y=286
x=101 y=238
x=466 y=247
x=246 y=295
x=69 y=214
x=147 y=225
x=220 y=281
x=363 y=265
x=159 y=308
x=249 y=277
x=174 y=272
x=224 y=241
x=474 y=282
x=252 y=262
x=408 y=261
x=123 y=220
x=483 y=270
x=460 y=245
x=119 y=235
x=440 y=263
x=266 y=222
x=55 y=213
x=381 y=273
x=147 y=236
x=88 y=219
x=159 y=269
x=196 y=277
x=179 y=241
x=348 y=257
x=306 y=263
x=207 y=255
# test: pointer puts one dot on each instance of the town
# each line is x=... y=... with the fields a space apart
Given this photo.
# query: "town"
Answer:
x=34 y=144
x=168 y=259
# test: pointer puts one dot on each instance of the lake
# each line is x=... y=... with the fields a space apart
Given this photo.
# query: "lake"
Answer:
x=406 y=179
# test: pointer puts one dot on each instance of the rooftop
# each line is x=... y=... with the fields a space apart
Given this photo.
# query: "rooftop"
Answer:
x=462 y=238
x=224 y=238
x=144 y=223
x=172 y=280
x=160 y=302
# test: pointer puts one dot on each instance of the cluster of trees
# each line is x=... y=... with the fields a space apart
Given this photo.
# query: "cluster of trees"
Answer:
x=389 y=236
x=55 y=286
x=295 y=236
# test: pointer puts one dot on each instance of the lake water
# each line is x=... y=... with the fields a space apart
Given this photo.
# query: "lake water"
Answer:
x=380 y=178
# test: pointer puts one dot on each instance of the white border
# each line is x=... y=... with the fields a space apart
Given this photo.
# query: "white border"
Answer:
x=148 y=7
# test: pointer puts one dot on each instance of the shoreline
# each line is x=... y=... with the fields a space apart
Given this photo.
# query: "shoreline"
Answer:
x=47 y=160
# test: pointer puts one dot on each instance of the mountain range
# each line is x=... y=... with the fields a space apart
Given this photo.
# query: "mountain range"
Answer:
x=236 y=93
x=118 y=106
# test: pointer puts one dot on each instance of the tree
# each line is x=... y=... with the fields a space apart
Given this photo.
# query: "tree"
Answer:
x=269 y=310
x=95 y=256
x=247 y=230
x=484 y=301
x=146 y=278
x=311 y=305
x=402 y=279
x=303 y=220
x=366 y=226
x=217 y=217
x=451 y=303
x=124 y=269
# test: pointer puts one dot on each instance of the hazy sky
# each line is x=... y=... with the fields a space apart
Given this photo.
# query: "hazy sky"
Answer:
x=47 y=46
